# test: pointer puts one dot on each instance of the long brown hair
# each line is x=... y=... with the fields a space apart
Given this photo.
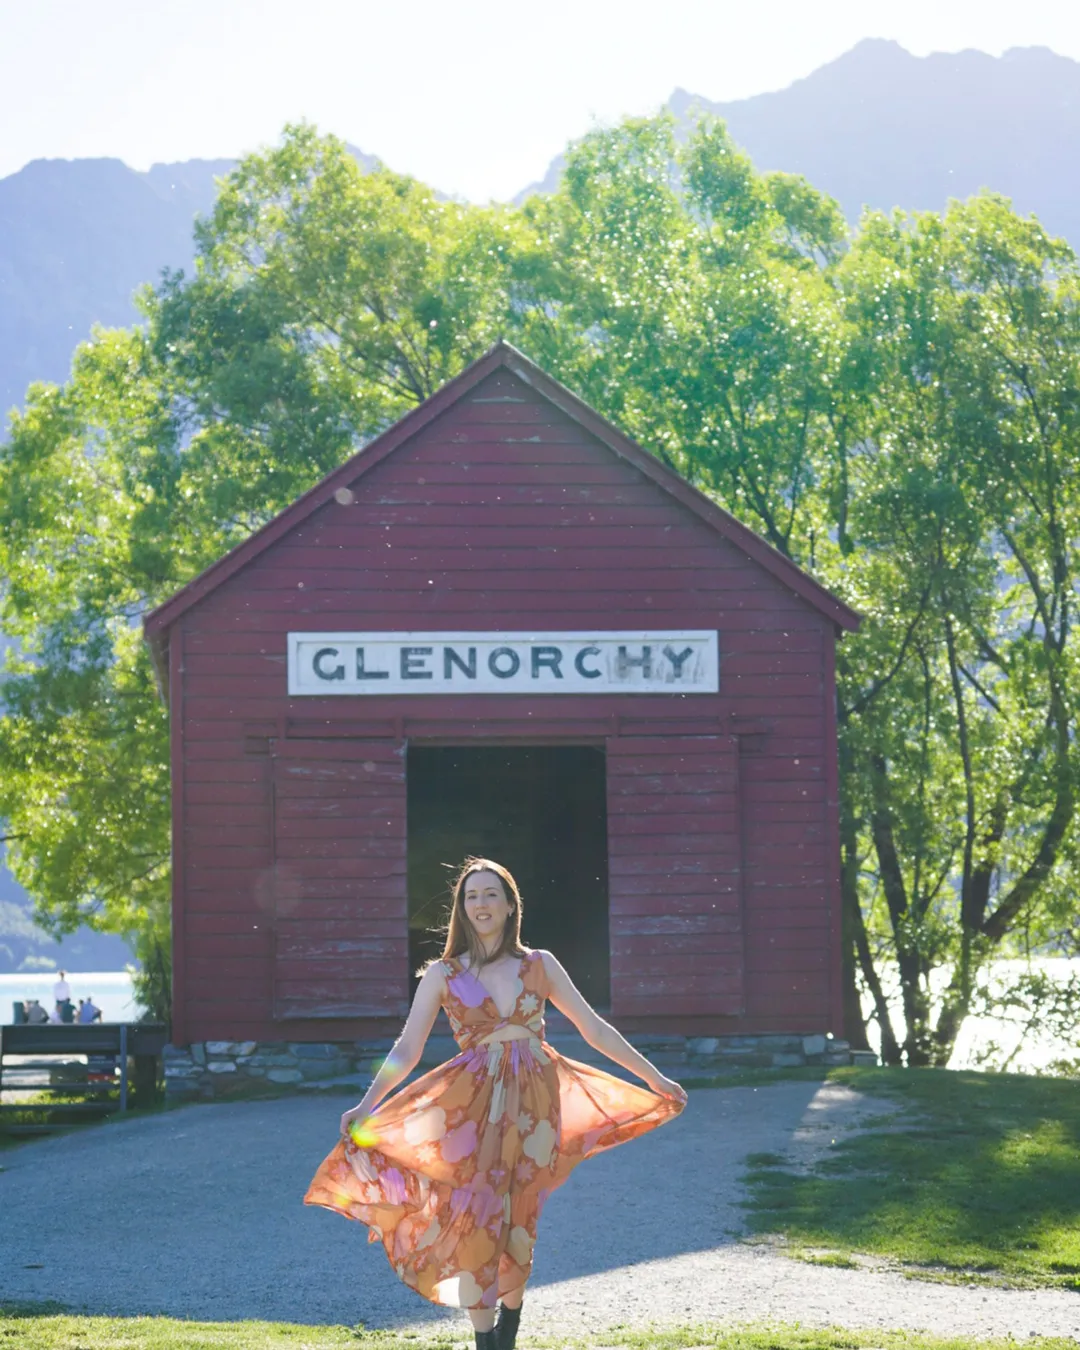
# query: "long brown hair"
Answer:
x=461 y=935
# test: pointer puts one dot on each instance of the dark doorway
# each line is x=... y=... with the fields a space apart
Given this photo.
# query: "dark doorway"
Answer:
x=539 y=810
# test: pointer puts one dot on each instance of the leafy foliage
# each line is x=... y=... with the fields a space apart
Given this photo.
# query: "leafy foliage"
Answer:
x=896 y=411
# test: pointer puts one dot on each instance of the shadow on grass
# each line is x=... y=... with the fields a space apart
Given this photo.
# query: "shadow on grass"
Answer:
x=977 y=1173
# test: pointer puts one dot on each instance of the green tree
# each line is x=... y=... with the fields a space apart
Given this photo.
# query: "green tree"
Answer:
x=894 y=411
x=325 y=302
x=961 y=783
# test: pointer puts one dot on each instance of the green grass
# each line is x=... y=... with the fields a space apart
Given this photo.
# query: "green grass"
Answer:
x=47 y=1327
x=976 y=1176
x=43 y=1107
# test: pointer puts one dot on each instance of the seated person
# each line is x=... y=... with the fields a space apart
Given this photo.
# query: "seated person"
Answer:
x=87 y=1012
x=35 y=1013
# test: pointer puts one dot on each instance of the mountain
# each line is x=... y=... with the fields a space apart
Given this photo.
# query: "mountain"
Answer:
x=882 y=128
x=25 y=947
x=77 y=239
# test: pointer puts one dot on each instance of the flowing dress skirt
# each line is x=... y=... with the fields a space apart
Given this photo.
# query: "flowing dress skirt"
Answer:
x=451 y=1173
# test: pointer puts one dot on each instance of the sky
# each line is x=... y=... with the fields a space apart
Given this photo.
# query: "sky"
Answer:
x=474 y=97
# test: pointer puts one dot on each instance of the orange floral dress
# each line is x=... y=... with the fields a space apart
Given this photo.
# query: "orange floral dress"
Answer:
x=451 y=1173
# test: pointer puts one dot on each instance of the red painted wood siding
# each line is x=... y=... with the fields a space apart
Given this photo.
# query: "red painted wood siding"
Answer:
x=675 y=916
x=505 y=513
x=340 y=905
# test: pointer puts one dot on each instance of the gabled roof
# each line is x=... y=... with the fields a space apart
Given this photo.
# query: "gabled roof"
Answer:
x=157 y=623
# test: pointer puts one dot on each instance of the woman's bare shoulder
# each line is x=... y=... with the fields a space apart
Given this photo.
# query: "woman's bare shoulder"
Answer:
x=434 y=973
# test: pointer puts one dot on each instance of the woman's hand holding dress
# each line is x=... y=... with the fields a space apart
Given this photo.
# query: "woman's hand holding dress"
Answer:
x=666 y=1087
x=354 y=1113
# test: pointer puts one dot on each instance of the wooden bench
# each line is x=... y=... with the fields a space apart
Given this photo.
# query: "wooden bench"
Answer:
x=49 y=1044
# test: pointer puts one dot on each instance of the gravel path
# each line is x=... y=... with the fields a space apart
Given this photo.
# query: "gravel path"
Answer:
x=197 y=1213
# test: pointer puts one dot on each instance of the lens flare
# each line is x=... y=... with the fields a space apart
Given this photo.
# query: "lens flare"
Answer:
x=363 y=1133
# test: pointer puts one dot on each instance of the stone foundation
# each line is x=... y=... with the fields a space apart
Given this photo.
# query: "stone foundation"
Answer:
x=213 y=1070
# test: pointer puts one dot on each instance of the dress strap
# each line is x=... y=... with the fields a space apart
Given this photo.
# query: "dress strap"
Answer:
x=539 y=960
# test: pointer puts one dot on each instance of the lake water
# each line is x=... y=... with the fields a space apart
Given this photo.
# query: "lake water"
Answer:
x=110 y=990
x=1032 y=1051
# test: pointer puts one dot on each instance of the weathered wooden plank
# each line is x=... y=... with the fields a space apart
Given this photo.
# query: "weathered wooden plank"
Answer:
x=471 y=413
x=627 y=786
x=243 y=857
x=653 y=925
x=777 y=834
x=231 y=631
x=780 y=768
x=662 y=888
x=428 y=597
x=220 y=742
x=786 y=813
x=639 y=984
x=347 y=925
x=363 y=960
x=247 y=920
x=658 y=925
x=633 y=825
x=627 y=751
x=781 y=961
x=763 y=792
x=489 y=528
x=635 y=844
x=779 y=984
x=364 y=910
x=380 y=992
x=660 y=865
x=669 y=1003
x=508 y=497
x=366 y=816
x=665 y=965
x=200 y=811
x=603 y=554
x=339 y=573
x=338 y=846
x=323 y=809
x=486 y=473
x=201 y=983
x=234 y=771
x=789 y=936
x=200 y=834
x=335 y=1006
x=656 y=948
x=255 y=945
x=718 y=900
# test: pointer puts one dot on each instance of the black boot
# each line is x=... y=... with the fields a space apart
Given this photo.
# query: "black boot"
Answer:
x=506 y=1327
x=485 y=1340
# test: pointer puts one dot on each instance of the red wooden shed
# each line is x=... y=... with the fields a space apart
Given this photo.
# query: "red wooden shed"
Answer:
x=503 y=628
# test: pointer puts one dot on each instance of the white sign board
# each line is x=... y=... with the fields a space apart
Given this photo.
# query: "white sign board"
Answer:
x=504 y=663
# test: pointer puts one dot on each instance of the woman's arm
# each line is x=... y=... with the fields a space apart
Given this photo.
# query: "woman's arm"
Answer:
x=407 y=1049
x=602 y=1035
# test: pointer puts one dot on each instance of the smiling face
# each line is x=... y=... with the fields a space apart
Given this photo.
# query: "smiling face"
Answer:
x=486 y=905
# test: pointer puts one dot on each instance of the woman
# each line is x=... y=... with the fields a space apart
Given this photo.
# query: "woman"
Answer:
x=451 y=1173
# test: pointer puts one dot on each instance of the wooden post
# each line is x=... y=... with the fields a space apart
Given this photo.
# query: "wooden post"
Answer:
x=123 y=1067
